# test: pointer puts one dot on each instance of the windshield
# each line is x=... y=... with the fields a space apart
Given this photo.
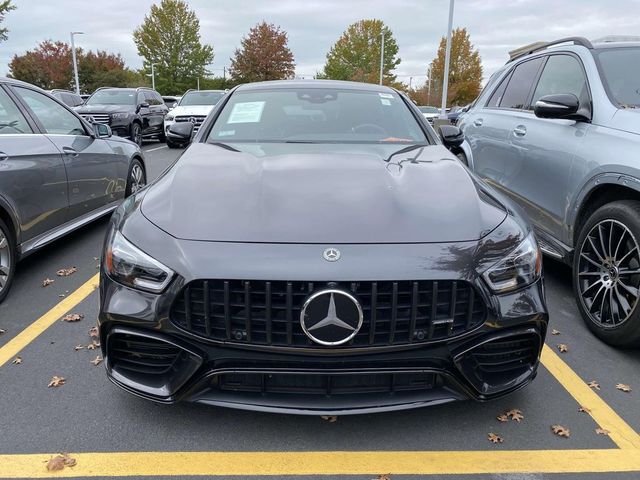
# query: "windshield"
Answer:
x=201 y=98
x=113 y=97
x=428 y=109
x=621 y=72
x=316 y=115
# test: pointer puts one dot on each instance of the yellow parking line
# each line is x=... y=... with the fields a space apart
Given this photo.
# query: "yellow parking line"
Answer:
x=26 y=336
x=621 y=433
x=165 y=464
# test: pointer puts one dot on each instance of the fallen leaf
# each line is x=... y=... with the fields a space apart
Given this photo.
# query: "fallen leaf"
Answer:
x=73 y=317
x=584 y=409
x=623 y=387
x=78 y=347
x=65 y=272
x=502 y=418
x=97 y=361
x=555 y=332
x=561 y=431
x=515 y=415
x=2 y=331
x=61 y=295
x=563 y=348
x=385 y=476
x=330 y=418
x=57 y=381
x=493 y=438
x=94 y=332
x=602 y=431
x=60 y=461
x=17 y=361
x=95 y=259
x=93 y=345
x=47 y=281
x=593 y=384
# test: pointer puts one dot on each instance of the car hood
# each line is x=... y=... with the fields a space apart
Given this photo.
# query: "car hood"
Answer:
x=99 y=108
x=191 y=110
x=213 y=194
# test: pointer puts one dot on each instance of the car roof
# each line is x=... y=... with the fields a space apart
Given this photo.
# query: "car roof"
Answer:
x=341 y=84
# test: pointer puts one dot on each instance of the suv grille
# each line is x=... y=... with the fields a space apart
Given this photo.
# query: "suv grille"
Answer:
x=96 y=117
x=268 y=312
x=197 y=120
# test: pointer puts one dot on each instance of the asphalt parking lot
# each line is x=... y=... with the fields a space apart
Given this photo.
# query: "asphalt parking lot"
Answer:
x=111 y=433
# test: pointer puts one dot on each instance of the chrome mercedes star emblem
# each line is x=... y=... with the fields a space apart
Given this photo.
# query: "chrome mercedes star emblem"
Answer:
x=331 y=317
x=331 y=254
x=192 y=120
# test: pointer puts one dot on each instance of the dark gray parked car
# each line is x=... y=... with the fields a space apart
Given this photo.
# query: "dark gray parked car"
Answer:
x=557 y=129
x=57 y=172
x=318 y=250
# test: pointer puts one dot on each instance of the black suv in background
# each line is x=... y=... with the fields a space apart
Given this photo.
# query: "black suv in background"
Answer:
x=135 y=113
x=68 y=98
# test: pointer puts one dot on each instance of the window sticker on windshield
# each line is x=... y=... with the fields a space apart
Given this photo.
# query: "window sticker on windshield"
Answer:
x=226 y=133
x=246 y=112
x=385 y=95
x=384 y=101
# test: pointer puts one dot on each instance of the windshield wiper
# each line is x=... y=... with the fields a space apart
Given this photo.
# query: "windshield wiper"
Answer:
x=406 y=149
x=224 y=145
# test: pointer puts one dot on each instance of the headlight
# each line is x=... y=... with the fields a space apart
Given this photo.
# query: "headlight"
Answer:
x=169 y=118
x=119 y=116
x=130 y=266
x=519 y=268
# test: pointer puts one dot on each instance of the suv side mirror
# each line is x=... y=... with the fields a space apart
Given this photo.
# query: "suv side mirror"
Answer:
x=180 y=133
x=451 y=136
x=142 y=105
x=561 y=106
x=101 y=130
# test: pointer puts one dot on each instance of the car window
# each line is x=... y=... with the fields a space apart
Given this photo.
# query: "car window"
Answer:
x=112 y=97
x=54 y=117
x=158 y=98
x=495 y=99
x=200 y=97
x=620 y=69
x=12 y=121
x=76 y=99
x=516 y=95
x=561 y=74
x=150 y=98
x=311 y=115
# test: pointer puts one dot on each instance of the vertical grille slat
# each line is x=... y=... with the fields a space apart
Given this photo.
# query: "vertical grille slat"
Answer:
x=263 y=312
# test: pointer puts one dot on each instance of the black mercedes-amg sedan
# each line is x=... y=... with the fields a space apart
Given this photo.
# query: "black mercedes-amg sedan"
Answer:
x=318 y=249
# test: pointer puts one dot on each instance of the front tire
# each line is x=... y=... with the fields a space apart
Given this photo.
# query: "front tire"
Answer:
x=136 y=133
x=136 y=178
x=7 y=260
x=606 y=273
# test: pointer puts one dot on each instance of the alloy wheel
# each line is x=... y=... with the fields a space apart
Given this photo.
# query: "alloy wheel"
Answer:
x=136 y=179
x=5 y=260
x=137 y=134
x=609 y=273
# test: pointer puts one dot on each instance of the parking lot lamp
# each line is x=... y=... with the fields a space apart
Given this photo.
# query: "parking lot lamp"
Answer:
x=153 y=76
x=447 y=55
x=75 y=63
x=381 y=55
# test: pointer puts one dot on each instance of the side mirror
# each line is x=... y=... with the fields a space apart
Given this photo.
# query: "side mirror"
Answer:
x=173 y=105
x=143 y=105
x=101 y=130
x=561 y=106
x=451 y=136
x=180 y=133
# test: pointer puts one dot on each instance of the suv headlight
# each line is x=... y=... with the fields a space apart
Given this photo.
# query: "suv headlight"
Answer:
x=130 y=266
x=119 y=116
x=520 y=267
x=169 y=118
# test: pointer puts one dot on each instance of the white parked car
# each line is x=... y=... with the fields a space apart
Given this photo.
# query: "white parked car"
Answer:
x=194 y=106
x=429 y=112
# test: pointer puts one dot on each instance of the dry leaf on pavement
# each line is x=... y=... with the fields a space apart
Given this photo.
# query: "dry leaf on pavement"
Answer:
x=602 y=431
x=60 y=461
x=593 y=384
x=94 y=332
x=78 y=347
x=502 y=418
x=561 y=431
x=623 y=387
x=93 y=345
x=563 y=347
x=493 y=438
x=385 y=476
x=330 y=418
x=47 y=281
x=73 y=317
x=57 y=381
x=2 y=331
x=17 y=361
x=515 y=415
x=584 y=409
x=65 y=272
x=555 y=332
x=97 y=361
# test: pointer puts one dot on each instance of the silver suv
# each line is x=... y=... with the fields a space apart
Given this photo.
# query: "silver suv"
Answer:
x=557 y=129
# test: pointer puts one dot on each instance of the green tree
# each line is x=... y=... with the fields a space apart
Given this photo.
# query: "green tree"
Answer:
x=169 y=37
x=264 y=55
x=5 y=7
x=465 y=70
x=356 y=54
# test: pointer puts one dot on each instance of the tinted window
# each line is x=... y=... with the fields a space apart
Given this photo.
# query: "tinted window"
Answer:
x=201 y=97
x=494 y=101
x=54 y=117
x=316 y=115
x=12 y=121
x=113 y=97
x=150 y=98
x=621 y=70
x=516 y=94
x=561 y=74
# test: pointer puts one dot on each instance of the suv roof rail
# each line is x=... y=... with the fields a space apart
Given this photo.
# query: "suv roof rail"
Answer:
x=536 y=47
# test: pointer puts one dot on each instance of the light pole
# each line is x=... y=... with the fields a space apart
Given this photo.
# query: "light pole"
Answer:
x=447 y=55
x=153 y=76
x=75 y=63
x=429 y=86
x=381 y=56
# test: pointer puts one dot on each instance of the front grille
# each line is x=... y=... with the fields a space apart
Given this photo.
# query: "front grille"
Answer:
x=326 y=384
x=96 y=117
x=505 y=356
x=141 y=354
x=197 y=120
x=268 y=312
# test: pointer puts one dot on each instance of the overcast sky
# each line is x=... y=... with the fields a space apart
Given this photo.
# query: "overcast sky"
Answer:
x=495 y=26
